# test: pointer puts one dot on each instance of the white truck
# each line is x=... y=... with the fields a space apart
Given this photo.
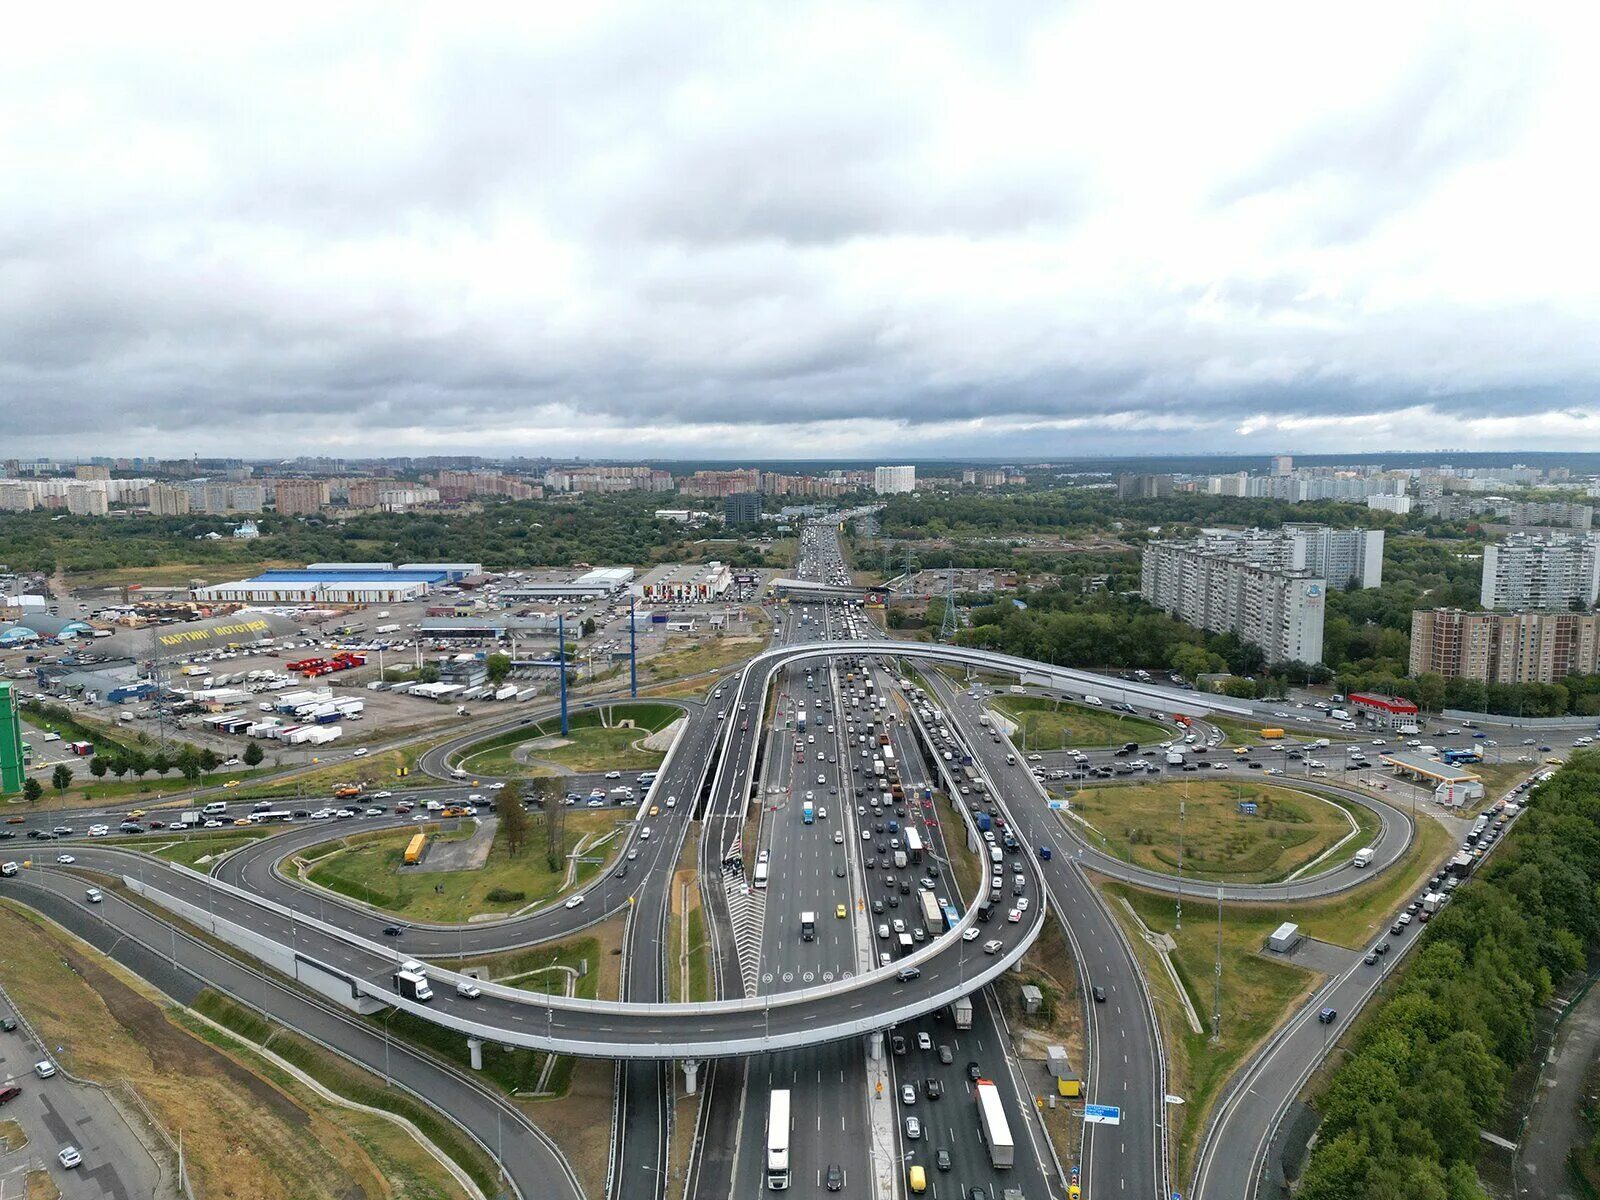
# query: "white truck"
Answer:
x=961 y=1012
x=993 y=1127
x=1364 y=857
x=1174 y=757
x=411 y=981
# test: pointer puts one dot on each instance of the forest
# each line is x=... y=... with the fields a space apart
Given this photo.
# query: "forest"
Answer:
x=1430 y=1066
x=602 y=529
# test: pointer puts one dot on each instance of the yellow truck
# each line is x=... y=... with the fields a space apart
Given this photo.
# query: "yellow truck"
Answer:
x=415 y=849
x=1272 y=735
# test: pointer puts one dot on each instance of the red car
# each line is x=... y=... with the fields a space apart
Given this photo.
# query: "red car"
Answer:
x=8 y=1094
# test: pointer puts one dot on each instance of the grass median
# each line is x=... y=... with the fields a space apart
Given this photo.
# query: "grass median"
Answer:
x=1232 y=831
x=1047 y=724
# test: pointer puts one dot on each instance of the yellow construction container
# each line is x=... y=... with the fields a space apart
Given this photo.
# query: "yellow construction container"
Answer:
x=414 y=851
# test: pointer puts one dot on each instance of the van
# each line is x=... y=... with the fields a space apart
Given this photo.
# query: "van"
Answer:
x=215 y=808
x=996 y=855
x=1012 y=759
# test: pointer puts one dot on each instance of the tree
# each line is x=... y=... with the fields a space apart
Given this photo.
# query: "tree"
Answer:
x=513 y=817
x=209 y=760
x=98 y=767
x=555 y=834
x=119 y=766
x=189 y=768
x=31 y=790
x=253 y=754
x=499 y=666
x=589 y=627
x=161 y=764
x=61 y=777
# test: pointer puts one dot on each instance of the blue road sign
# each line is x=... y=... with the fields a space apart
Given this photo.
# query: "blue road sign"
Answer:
x=1101 y=1114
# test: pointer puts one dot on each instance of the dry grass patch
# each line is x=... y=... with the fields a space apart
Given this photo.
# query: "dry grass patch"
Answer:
x=12 y=1137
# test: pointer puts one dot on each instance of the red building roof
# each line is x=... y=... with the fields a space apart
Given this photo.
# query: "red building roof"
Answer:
x=1389 y=704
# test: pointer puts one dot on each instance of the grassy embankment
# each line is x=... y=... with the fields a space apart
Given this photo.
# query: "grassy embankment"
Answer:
x=249 y=1128
x=590 y=744
x=1046 y=724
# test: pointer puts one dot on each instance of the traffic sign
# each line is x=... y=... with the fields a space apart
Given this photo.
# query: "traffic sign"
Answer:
x=1101 y=1114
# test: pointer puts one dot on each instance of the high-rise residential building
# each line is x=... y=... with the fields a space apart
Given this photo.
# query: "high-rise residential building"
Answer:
x=1283 y=464
x=1143 y=487
x=716 y=484
x=1496 y=647
x=16 y=497
x=301 y=497
x=742 y=508
x=1392 y=504
x=1213 y=583
x=891 y=480
x=1552 y=571
x=165 y=500
x=84 y=500
x=1344 y=557
x=607 y=479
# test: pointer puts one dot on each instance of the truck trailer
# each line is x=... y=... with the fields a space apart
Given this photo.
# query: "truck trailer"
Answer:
x=993 y=1127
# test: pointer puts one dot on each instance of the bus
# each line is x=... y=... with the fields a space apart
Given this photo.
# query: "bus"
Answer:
x=913 y=845
x=271 y=816
x=778 y=1140
x=931 y=916
x=952 y=917
x=761 y=875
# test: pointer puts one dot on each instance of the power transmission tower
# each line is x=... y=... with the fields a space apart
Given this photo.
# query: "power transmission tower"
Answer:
x=952 y=617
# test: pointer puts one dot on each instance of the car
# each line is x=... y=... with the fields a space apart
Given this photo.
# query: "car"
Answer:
x=44 y=1068
x=933 y=1088
x=971 y=934
x=99 y=830
x=613 y=774
x=945 y=1055
x=897 y=1043
x=1022 y=904
x=924 y=1041
x=838 y=837
x=574 y=901
x=10 y=1093
x=941 y=1159
x=1405 y=919
x=839 y=911
x=361 y=753
x=913 y=1129
x=835 y=1177
x=65 y=860
x=8 y=1025
x=393 y=930
x=977 y=1193
x=381 y=795
x=69 y=1157
x=908 y=1094
x=1372 y=957
x=1328 y=1016
x=1397 y=927
x=1014 y=915
x=993 y=946
x=94 y=895
x=974 y=1071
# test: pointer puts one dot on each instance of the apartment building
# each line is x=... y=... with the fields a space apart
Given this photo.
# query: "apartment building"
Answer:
x=1550 y=571
x=1344 y=557
x=718 y=484
x=1493 y=647
x=164 y=500
x=891 y=480
x=86 y=501
x=607 y=479
x=1220 y=584
x=301 y=497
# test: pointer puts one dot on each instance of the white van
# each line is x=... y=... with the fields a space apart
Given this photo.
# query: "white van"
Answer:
x=215 y=809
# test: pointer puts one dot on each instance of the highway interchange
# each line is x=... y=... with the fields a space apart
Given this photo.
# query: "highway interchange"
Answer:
x=803 y=1014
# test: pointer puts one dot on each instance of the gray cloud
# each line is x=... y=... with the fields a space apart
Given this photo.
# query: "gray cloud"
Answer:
x=696 y=230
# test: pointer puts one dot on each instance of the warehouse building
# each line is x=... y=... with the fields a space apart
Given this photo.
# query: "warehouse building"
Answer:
x=690 y=583
x=602 y=581
x=340 y=583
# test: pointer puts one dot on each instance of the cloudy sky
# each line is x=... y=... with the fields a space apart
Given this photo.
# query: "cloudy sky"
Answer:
x=795 y=229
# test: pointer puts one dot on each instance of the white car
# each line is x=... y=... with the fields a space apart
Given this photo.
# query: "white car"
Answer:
x=574 y=901
x=1022 y=904
x=613 y=774
x=98 y=830
x=672 y=802
x=345 y=813
x=374 y=812
x=44 y=1068
x=65 y=860
x=838 y=837
x=361 y=753
x=993 y=946
x=495 y=787
x=971 y=935
x=212 y=824
x=70 y=1157
x=1014 y=915
x=381 y=795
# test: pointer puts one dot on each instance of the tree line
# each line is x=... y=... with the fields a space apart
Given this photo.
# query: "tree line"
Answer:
x=1430 y=1066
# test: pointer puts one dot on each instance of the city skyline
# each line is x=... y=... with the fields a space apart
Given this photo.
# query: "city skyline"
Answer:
x=929 y=238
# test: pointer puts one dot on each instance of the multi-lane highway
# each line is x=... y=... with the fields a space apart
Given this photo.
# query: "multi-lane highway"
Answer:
x=802 y=1005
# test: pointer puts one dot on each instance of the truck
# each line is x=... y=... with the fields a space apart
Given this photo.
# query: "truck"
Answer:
x=808 y=926
x=1272 y=735
x=808 y=813
x=1433 y=902
x=778 y=1140
x=993 y=1127
x=931 y=916
x=800 y=720
x=1340 y=714
x=900 y=860
x=1174 y=757
x=961 y=1012
x=415 y=849
x=877 y=767
x=1364 y=857
x=985 y=822
x=508 y=692
x=913 y=845
x=411 y=981
x=189 y=818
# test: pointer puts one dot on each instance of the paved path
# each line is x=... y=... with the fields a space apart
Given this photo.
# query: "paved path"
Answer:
x=1555 y=1125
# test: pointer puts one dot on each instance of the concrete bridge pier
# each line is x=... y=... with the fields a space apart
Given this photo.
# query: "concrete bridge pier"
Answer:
x=475 y=1049
x=691 y=1075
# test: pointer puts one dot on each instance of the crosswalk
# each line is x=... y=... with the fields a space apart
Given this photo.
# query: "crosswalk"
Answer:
x=747 y=910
